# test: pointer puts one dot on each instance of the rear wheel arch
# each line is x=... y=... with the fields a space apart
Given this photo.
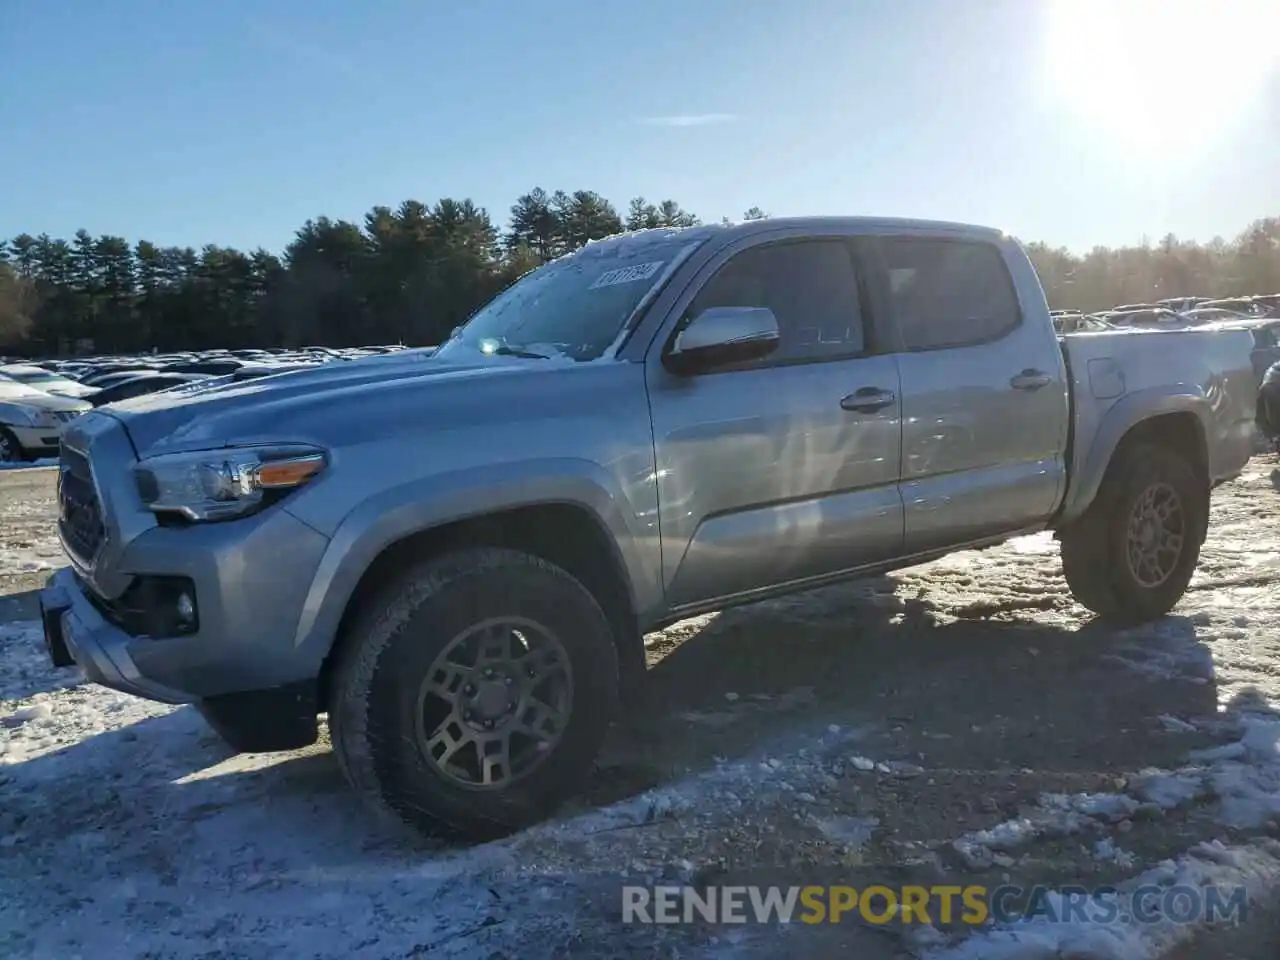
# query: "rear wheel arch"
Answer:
x=1181 y=432
x=1174 y=421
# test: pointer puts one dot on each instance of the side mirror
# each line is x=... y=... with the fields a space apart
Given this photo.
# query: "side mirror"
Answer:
x=719 y=336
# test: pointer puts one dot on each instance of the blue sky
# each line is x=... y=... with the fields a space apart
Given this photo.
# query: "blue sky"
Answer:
x=232 y=122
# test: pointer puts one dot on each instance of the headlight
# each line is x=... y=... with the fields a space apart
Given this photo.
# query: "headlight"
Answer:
x=224 y=484
x=44 y=418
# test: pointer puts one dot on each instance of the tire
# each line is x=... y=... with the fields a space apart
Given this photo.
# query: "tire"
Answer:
x=10 y=450
x=391 y=651
x=1095 y=548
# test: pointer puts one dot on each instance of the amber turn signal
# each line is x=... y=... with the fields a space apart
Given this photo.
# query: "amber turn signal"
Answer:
x=288 y=473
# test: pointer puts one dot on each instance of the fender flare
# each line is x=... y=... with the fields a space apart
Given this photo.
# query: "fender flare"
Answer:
x=435 y=501
x=1128 y=412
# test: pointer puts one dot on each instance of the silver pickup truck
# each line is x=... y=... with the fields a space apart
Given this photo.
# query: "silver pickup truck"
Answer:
x=455 y=556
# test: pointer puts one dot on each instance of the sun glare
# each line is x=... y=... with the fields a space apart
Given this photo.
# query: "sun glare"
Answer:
x=1138 y=69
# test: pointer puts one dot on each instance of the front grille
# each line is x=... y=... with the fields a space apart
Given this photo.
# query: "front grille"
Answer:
x=65 y=415
x=79 y=513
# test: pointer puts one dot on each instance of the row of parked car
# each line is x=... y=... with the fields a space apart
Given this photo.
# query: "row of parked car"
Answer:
x=38 y=398
x=1174 y=313
x=1259 y=314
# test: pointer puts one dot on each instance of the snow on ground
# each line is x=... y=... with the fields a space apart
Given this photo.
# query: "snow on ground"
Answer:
x=45 y=462
x=957 y=722
x=1254 y=867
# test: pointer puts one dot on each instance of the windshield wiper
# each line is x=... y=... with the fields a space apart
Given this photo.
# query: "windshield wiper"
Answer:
x=508 y=351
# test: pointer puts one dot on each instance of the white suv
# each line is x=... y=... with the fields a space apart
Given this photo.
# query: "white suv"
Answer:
x=31 y=421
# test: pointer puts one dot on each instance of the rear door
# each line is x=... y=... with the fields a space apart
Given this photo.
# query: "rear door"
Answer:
x=785 y=469
x=985 y=408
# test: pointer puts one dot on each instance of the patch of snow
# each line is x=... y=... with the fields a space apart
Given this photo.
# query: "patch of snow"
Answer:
x=27 y=465
x=1035 y=544
x=26 y=556
x=1056 y=815
x=1105 y=850
x=850 y=831
x=26 y=671
x=1168 y=791
x=1255 y=867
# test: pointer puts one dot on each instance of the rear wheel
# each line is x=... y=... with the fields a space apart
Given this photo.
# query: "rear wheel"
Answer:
x=1130 y=557
x=474 y=693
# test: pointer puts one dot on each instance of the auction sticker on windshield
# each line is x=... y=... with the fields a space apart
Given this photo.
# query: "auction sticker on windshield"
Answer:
x=638 y=271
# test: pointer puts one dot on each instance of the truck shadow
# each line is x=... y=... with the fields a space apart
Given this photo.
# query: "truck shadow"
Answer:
x=989 y=690
x=981 y=695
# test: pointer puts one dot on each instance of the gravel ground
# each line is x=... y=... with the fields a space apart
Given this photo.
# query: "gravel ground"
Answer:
x=959 y=722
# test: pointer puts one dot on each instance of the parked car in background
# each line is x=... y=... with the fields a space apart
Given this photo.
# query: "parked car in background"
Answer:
x=106 y=376
x=211 y=367
x=1081 y=323
x=1215 y=315
x=1150 y=318
x=1266 y=346
x=1245 y=306
x=456 y=554
x=45 y=380
x=1270 y=302
x=1181 y=304
x=136 y=386
x=31 y=421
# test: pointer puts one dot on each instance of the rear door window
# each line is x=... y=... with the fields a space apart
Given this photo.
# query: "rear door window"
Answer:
x=949 y=293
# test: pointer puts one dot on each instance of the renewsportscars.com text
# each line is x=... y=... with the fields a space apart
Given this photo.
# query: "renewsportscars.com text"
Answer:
x=946 y=904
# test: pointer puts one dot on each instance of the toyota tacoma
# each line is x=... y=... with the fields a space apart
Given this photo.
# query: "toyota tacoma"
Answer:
x=454 y=555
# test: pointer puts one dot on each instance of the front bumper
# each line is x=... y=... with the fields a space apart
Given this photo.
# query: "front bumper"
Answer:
x=75 y=629
x=37 y=439
x=251 y=578
x=276 y=718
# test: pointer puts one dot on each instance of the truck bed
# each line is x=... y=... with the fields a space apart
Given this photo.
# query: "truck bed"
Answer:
x=1120 y=377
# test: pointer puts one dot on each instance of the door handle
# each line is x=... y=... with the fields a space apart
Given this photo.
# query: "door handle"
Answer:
x=1030 y=380
x=868 y=400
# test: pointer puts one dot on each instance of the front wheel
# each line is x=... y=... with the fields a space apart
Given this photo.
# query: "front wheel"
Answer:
x=474 y=693
x=10 y=450
x=1130 y=557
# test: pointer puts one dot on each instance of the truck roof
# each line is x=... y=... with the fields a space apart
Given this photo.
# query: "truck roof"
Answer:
x=870 y=222
x=770 y=224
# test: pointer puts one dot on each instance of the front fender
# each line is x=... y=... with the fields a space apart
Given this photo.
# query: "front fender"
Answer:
x=434 y=501
x=15 y=414
x=1118 y=419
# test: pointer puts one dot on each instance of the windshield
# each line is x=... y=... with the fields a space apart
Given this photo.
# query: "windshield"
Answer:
x=576 y=306
x=12 y=390
x=33 y=376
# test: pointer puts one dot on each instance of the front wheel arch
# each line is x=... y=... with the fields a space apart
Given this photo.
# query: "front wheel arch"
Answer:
x=567 y=535
x=18 y=453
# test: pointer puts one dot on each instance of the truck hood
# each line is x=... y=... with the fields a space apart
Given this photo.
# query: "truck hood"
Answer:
x=333 y=402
